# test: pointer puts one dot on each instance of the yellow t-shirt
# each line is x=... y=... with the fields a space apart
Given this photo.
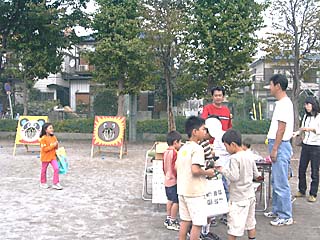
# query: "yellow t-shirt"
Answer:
x=189 y=185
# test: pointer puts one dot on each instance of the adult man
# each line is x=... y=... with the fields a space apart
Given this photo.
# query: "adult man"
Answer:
x=216 y=108
x=279 y=135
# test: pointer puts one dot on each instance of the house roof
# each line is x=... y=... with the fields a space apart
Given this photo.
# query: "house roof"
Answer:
x=71 y=77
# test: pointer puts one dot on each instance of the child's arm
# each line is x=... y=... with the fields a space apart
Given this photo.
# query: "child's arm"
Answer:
x=198 y=171
x=256 y=173
x=232 y=173
x=48 y=147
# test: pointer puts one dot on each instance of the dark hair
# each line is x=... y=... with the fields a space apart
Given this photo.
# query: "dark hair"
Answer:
x=218 y=88
x=44 y=129
x=247 y=142
x=173 y=136
x=232 y=136
x=280 y=79
x=315 y=106
x=192 y=123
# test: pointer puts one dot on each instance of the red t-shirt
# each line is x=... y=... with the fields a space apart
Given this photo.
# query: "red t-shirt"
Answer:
x=222 y=112
x=169 y=162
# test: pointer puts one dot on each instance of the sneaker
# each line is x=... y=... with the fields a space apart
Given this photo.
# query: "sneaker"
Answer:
x=214 y=222
x=270 y=215
x=174 y=225
x=166 y=222
x=223 y=219
x=312 y=198
x=44 y=186
x=212 y=236
x=293 y=199
x=299 y=194
x=281 y=222
x=57 y=186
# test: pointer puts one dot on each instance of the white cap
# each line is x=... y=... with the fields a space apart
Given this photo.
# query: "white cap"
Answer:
x=214 y=127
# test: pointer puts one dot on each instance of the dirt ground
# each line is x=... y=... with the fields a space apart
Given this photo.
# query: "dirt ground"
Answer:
x=101 y=199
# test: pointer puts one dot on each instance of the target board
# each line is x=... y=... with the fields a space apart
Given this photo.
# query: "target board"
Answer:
x=109 y=131
x=28 y=130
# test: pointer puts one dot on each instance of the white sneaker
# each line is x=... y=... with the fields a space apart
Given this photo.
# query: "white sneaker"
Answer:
x=44 y=185
x=57 y=186
x=270 y=215
x=281 y=222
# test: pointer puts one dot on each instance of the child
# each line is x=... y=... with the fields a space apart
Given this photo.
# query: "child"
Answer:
x=214 y=126
x=191 y=180
x=242 y=200
x=209 y=163
x=48 y=145
x=170 y=181
x=246 y=146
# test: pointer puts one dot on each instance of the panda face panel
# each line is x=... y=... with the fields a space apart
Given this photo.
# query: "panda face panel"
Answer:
x=108 y=131
x=30 y=129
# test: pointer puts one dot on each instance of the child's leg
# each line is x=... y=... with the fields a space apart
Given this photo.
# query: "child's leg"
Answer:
x=55 y=166
x=169 y=206
x=44 y=166
x=174 y=210
x=184 y=227
x=252 y=234
x=195 y=232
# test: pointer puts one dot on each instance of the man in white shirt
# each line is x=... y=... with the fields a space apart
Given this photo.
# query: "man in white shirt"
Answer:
x=279 y=135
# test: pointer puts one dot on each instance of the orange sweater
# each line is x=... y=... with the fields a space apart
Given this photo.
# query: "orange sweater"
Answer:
x=48 y=150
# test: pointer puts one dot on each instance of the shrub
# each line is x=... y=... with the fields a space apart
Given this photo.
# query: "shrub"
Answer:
x=251 y=127
x=157 y=126
x=8 y=125
x=76 y=125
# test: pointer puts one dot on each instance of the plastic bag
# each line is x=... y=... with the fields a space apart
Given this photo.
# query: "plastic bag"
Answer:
x=62 y=160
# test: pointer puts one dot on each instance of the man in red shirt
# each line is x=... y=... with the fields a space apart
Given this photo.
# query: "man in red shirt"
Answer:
x=216 y=108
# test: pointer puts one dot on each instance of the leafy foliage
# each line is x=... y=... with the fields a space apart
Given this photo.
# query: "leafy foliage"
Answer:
x=294 y=41
x=32 y=36
x=105 y=103
x=121 y=57
x=222 y=41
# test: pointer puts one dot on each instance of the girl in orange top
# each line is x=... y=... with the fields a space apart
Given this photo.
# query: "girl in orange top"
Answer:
x=49 y=144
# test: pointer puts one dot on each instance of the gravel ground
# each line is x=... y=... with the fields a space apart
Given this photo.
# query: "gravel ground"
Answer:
x=101 y=199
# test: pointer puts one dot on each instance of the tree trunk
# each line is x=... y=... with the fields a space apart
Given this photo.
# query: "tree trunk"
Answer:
x=120 y=98
x=25 y=97
x=133 y=118
x=296 y=81
x=171 y=120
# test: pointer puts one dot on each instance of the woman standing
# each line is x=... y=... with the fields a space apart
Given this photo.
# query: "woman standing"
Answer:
x=310 y=151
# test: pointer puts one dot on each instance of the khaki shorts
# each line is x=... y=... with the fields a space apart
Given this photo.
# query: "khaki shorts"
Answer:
x=193 y=209
x=241 y=216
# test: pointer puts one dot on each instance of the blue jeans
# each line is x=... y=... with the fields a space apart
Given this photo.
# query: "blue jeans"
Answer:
x=281 y=192
x=225 y=186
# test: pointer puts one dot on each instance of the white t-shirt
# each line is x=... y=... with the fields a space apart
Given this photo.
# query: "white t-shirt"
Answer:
x=283 y=112
x=187 y=184
x=311 y=138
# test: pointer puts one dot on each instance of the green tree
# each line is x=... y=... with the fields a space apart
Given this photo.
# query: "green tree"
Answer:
x=34 y=34
x=222 y=41
x=295 y=39
x=120 y=58
x=165 y=27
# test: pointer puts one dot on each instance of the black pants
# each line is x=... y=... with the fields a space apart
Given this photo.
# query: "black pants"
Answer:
x=309 y=153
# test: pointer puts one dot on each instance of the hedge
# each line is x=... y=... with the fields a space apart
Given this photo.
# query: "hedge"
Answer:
x=158 y=126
